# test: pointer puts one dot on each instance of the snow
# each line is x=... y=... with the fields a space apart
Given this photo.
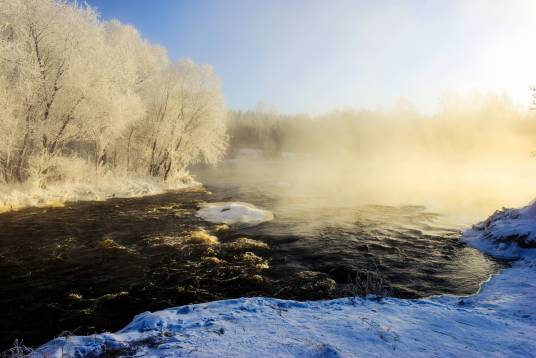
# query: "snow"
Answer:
x=16 y=197
x=498 y=321
x=234 y=213
x=508 y=233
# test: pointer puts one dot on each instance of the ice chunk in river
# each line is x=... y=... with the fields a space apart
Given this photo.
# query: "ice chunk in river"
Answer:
x=234 y=213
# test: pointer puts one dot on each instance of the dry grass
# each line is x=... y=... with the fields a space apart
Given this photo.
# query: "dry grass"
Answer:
x=368 y=283
x=18 y=350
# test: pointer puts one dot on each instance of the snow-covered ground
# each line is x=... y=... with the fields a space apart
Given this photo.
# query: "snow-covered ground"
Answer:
x=234 y=213
x=498 y=321
x=26 y=195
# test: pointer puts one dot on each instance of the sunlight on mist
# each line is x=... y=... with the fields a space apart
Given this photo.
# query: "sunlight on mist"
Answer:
x=474 y=156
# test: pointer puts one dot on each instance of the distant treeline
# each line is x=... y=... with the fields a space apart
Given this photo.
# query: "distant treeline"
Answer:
x=462 y=127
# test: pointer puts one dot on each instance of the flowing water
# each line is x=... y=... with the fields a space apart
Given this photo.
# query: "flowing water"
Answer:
x=91 y=266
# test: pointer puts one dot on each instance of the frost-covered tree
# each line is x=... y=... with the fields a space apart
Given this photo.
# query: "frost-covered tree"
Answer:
x=74 y=89
x=41 y=64
x=185 y=119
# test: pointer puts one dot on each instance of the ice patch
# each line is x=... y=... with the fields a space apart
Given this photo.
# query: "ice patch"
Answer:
x=234 y=213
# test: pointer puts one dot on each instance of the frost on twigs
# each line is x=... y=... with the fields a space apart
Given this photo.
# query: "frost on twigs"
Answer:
x=85 y=101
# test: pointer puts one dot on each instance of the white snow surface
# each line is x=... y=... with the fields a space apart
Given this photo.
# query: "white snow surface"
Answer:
x=508 y=233
x=234 y=213
x=28 y=195
x=498 y=321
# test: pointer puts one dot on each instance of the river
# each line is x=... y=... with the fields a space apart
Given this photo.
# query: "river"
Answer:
x=91 y=266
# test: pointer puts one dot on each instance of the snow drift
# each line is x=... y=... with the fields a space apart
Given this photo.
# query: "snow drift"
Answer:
x=498 y=321
x=508 y=233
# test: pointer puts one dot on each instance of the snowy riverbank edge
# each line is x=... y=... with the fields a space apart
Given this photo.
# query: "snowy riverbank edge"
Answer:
x=498 y=321
x=23 y=196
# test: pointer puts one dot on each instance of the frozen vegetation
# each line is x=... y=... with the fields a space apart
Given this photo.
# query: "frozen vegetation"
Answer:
x=500 y=320
x=90 y=109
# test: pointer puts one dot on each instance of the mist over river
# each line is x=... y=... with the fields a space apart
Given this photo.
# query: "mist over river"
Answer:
x=91 y=266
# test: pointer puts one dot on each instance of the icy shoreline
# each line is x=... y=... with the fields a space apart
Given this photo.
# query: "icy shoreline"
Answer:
x=500 y=320
x=24 y=196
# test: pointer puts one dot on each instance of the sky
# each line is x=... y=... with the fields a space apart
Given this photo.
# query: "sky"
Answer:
x=313 y=56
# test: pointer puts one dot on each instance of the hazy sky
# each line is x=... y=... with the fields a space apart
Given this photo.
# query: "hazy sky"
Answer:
x=313 y=56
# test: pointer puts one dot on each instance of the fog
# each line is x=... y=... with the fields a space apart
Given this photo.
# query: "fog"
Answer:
x=472 y=157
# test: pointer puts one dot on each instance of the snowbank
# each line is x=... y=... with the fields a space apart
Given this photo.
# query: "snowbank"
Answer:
x=498 y=321
x=21 y=196
x=508 y=233
x=234 y=213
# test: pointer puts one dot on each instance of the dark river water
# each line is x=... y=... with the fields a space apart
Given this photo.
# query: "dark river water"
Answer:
x=91 y=266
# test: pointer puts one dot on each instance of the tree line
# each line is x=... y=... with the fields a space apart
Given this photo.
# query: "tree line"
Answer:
x=462 y=127
x=81 y=96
